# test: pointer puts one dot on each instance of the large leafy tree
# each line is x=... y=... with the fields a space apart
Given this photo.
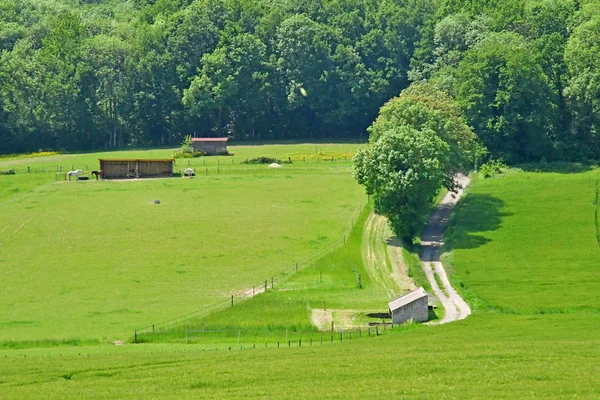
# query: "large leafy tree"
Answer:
x=403 y=170
x=418 y=143
x=583 y=87
x=228 y=86
x=507 y=98
x=424 y=106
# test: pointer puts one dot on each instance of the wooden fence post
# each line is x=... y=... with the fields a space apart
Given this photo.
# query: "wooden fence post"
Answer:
x=135 y=336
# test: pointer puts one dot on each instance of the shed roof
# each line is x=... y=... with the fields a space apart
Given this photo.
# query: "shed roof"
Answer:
x=210 y=139
x=138 y=159
x=407 y=299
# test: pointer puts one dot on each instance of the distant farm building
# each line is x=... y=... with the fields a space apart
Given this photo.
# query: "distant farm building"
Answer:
x=413 y=305
x=210 y=146
x=135 y=168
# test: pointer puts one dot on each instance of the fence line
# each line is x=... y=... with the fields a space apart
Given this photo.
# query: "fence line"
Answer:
x=279 y=279
x=232 y=338
x=220 y=162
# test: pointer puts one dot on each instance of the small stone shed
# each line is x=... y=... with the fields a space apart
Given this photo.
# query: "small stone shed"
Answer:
x=412 y=305
x=136 y=168
x=210 y=146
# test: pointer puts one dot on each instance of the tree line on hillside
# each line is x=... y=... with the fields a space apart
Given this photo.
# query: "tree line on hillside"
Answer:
x=92 y=74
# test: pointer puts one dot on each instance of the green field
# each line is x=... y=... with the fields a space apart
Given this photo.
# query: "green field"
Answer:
x=95 y=260
x=524 y=252
x=526 y=243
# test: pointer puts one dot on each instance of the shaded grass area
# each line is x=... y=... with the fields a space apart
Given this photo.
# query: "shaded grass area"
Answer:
x=486 y=356
x=526 y=243
x=596 y=213
x=414 y=269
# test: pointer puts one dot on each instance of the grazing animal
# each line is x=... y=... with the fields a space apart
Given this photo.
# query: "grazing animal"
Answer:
x=189 y=172
x=98 y=174
x=75 y=174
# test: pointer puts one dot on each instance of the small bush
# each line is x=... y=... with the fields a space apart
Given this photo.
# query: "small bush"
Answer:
x=266 y=160
x=492 y=168
x=187 y=149
x=8 y=172
x=182 y=154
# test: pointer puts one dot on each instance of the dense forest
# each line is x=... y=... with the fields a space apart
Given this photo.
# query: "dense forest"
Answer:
x=79 y=75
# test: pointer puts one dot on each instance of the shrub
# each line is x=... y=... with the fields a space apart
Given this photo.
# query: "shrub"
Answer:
x=266 y=160
x=492 y=168
x=187 y=149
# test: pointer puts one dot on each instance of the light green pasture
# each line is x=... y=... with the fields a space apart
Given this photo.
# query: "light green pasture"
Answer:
x=525 y=242
x=95 y=260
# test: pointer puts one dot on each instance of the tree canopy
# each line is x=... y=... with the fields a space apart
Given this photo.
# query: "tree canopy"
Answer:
x=93 y=74
x=418 y=143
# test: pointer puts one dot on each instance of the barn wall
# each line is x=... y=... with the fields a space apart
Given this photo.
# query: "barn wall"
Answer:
x=115 y=169
x=155 y=168
x=211 y=147
x=118 y=169
x=418 y=310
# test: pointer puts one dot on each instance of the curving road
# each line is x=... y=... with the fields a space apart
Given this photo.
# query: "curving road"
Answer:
x=432 y=241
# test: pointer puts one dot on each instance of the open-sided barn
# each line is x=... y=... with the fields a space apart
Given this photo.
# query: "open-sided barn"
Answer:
x=210 y=146
x=135 y=168
x=413 y=305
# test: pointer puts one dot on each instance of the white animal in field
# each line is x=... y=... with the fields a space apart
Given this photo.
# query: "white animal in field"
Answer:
x=189 y=172
x=75 y=174
x=274 y=165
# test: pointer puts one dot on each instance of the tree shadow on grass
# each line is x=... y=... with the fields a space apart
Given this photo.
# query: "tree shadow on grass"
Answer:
x=474 y=213
x=557 y=167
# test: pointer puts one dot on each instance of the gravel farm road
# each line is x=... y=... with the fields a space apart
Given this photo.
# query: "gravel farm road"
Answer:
x=432 y=241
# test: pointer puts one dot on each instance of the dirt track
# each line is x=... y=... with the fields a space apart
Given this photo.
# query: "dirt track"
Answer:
x=432 y=241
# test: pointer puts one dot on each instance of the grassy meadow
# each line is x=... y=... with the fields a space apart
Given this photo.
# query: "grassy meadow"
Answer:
x=526 y=243
x=522 y=248
x=95 y=260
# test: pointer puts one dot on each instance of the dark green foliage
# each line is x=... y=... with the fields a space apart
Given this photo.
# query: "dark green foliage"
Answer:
x=419 y=142
x=492 y=168
x=104 y=74
x=265 y=160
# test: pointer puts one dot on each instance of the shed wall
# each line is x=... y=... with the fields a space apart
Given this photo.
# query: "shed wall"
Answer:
x=211 y=147
x=418 y=310
x=115 y=169
x=155 y=168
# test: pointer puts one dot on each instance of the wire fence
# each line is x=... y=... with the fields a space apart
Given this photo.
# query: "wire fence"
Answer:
x=276 y=281
x=240 y=339
x=206 y=165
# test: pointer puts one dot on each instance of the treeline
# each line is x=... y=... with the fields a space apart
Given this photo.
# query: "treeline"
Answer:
x=79 y=75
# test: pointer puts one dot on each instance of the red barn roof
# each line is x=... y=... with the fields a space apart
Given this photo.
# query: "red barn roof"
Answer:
x=216 y=139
